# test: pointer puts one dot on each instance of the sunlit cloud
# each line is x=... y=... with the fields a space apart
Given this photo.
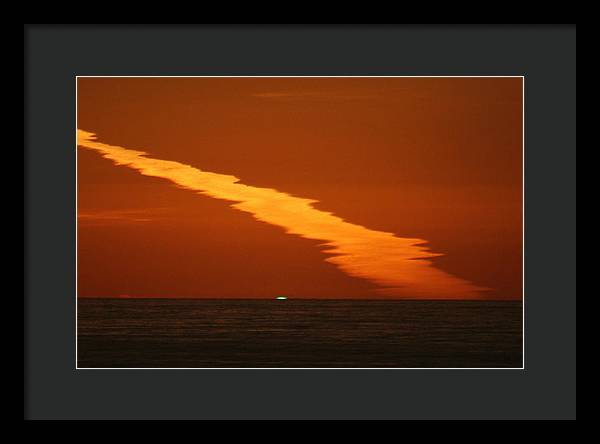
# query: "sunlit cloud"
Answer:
x=400 y=267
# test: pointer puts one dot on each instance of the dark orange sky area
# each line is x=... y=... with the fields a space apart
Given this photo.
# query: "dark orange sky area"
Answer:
x=431 y=158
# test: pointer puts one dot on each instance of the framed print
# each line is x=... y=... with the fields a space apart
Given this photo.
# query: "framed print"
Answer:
x=300 y=222
x=349 y=181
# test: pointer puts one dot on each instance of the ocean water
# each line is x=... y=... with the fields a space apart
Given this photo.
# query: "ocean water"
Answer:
x=298 y=333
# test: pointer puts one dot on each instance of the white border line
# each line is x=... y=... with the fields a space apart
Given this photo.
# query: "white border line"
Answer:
x=76 y=224
x=523 y=221
x=315 y=368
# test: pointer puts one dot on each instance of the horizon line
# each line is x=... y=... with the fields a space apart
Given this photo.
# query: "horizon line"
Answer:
x=273 y=298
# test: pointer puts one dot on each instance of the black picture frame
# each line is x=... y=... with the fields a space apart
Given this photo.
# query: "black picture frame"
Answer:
x=544 y=55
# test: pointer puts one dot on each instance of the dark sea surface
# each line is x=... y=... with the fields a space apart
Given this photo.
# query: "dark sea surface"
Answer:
x=298 y=333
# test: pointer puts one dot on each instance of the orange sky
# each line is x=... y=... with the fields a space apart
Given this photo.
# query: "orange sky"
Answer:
x=436 y=159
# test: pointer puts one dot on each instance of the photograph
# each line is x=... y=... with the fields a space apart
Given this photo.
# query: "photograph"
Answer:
x=299 y=222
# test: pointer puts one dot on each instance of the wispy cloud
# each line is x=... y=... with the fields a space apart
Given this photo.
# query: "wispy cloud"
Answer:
x=312 y=95
x=119 y=216
x=399 y=266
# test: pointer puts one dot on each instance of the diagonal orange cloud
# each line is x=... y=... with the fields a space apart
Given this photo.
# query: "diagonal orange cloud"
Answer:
x=398 y=266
